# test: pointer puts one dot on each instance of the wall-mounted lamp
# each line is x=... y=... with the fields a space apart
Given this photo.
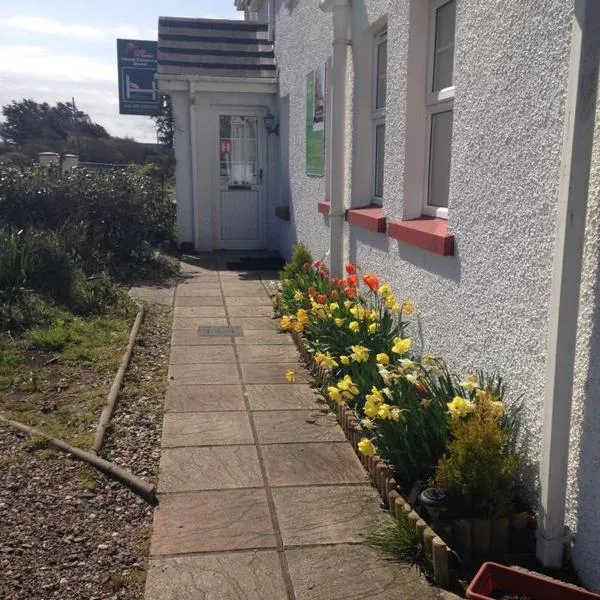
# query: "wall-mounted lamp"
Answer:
x=271 y=124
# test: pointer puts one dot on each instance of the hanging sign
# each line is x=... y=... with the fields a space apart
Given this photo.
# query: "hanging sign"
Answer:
x=138 y=85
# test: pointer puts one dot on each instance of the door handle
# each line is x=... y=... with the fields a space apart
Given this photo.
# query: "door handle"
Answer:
x=260 y=175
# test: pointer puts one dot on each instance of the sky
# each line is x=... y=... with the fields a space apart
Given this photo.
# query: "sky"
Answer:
x=53 y=51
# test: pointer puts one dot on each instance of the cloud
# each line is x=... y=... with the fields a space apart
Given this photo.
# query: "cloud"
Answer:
x=38 y=73
x=25 y=25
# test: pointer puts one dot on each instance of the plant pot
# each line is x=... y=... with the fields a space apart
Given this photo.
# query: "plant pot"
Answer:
x=494 y=581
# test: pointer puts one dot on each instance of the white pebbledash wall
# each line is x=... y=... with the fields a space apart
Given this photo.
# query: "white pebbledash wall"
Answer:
x=487 y=306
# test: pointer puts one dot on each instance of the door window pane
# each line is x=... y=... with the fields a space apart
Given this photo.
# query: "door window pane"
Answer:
x=445 y=20
x=238 y=150
x=381 y=74
x=439 y=158
x=379 y=159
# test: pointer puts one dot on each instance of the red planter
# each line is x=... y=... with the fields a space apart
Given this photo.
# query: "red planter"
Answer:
x=493 y=578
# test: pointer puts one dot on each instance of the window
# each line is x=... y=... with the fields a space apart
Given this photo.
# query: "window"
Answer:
x=439 y=105
x=379 y=93
x=238 y=149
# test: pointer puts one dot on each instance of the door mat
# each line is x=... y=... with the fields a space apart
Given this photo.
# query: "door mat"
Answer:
x=257 y=263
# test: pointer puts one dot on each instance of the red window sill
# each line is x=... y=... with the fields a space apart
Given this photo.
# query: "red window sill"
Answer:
x=370 y=217
x=323 y=207
x=428 y=233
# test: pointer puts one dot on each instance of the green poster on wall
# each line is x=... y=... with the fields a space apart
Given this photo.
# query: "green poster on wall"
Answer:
x=315 y=122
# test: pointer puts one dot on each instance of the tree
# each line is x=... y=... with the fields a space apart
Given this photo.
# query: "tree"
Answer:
x=28 y=121
x=165 y=126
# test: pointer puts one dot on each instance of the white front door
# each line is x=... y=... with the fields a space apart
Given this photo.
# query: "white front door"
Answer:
x=240 y=211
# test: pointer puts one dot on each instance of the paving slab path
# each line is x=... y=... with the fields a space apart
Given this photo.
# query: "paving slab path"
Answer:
x=261 y=496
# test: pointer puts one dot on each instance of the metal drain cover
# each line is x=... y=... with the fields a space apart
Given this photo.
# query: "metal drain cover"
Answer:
x=220 y=331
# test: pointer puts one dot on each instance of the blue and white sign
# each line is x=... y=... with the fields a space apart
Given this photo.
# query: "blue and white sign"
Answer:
x=138 y=84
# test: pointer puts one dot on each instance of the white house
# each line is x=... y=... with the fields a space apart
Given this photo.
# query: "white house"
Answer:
x=450 y=146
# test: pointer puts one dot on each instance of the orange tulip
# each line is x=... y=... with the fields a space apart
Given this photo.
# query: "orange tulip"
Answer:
x=372 y=282
x=321 y=299
x=353 y=280
x=350 y=292
x=350 y=269
x=312 y=291
x=334 y=295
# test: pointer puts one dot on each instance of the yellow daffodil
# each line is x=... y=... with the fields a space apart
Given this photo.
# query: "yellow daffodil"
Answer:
x=319 y=357
x=354 y=326
x=373 y=327
x=359 y=353
x=290 y=376
x=298 y=296
x=384 y=374
x=408 y=307
x=334 y=394
x=459 y=407
x=385 y=289
x=382 y=358
x=347 y=303
x=395 y=307
x=286 y=322
x=371 y=409
x=345 y=360
x=366 y=448
x=426 y=403
x=373 y=315
x=407 y=364
x=358 y=312
x=401 y=346
x=348 y=388
x=329 y=362
x=334 y=306
x=411 y=378
x=339 y=322
x=376 y=397
x=302 y=314
x=384 y=411
x=298 y=326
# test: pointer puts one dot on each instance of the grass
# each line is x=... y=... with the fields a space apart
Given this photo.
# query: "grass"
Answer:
x=56 y=377
x=397 y=539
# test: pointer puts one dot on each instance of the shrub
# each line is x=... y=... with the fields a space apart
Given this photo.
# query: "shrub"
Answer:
x=53 y=338
x=300 y=257
x=478 y=469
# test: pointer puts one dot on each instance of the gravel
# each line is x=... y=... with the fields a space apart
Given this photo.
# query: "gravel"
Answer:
x=67 y=531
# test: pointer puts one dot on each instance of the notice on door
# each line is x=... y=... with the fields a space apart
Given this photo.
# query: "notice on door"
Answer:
x=315 y=122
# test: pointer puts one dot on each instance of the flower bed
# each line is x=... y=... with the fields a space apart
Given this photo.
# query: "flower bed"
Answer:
x=411 y=419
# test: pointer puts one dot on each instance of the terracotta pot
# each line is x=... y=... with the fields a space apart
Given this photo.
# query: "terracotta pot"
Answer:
x=493 y=578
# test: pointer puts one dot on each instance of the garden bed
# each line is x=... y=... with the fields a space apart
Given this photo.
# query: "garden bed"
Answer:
x=67 y=531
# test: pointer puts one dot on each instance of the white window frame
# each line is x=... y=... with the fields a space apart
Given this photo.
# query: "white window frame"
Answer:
x=435 y=102
x=378 y=114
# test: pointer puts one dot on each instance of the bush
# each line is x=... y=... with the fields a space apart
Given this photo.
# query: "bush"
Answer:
x=478 y=469
x=53 y=338
x=300 y=257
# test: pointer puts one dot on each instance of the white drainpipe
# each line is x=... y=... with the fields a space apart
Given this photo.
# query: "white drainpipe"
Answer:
x=341 y=41
x=566 y=278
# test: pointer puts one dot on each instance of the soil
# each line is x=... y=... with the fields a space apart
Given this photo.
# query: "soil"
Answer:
x=67 y=531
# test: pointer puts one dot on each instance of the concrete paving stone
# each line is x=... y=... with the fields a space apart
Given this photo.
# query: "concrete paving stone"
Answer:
x=247 y=575
x=249 y=323
x=194 y=323
x=192 y=312
x=283 y=396
x=206 y=429
x=209 y=468
x=258 y=353
x=190 y=337
x=245 y=293
x=216 y=373
x=272 y=372
x=281 y=427
x=252 y=285
x=250 y=310
x=204 y=398
x=212 y=521
x=312 y=464
x=357 y=571
x=263 y=336
x=327 y=515
x=198 y=289
x=254 y=301
x=199 y=301
x=180 y=355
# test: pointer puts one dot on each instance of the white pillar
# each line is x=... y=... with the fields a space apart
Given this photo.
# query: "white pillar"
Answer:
x=48 y=158
x=70 y=161
x=566 y=277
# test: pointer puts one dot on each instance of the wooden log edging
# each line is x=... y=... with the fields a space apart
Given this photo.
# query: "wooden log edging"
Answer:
x=382 y=479
x=138 y=486
x=113 y=394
